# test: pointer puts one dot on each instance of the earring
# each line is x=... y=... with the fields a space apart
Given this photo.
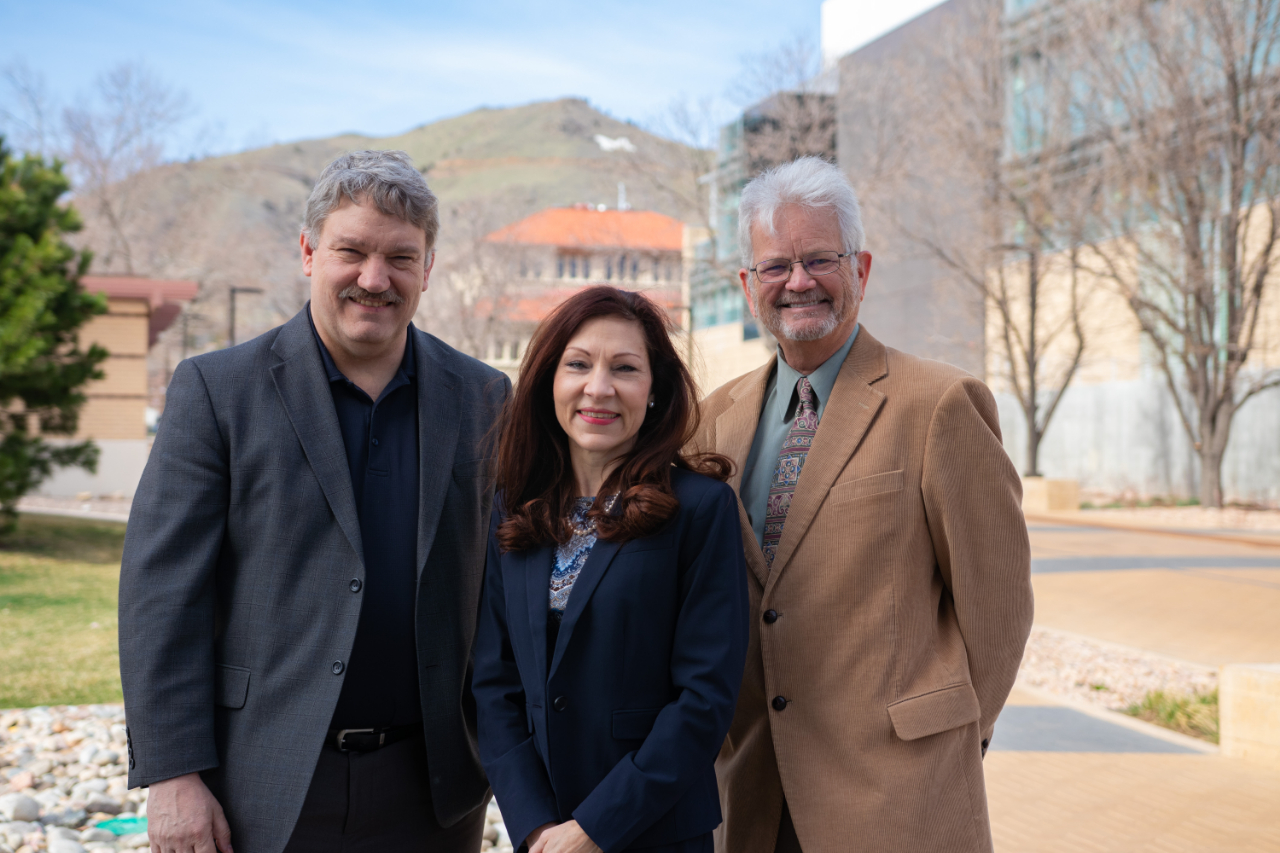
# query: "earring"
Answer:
x=651 y=404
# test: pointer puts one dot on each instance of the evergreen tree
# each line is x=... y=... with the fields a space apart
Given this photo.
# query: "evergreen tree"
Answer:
x=43 y=368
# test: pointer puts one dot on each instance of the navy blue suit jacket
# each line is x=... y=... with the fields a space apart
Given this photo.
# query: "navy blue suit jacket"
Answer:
x=621 y=728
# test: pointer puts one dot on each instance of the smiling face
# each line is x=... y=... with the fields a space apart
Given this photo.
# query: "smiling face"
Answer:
x=804 y=307
x=368 y=271
x=602 y=389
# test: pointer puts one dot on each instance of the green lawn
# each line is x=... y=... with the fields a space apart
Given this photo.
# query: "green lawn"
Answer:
x=58 y=584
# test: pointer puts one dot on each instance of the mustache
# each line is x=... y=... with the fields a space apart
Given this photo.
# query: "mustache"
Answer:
x=355 y=291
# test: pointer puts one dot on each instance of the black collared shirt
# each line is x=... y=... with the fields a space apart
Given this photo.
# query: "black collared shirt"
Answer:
x=381 y=439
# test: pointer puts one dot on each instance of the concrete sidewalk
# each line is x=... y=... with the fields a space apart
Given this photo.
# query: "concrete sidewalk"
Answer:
x=1208 y=601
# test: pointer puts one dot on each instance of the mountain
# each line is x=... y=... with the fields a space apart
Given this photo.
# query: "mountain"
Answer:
x=234 y=220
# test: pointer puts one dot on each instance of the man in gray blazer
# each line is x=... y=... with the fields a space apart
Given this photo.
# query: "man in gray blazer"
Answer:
x=303 y=563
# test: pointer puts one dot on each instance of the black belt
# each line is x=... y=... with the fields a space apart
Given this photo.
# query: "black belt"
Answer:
x=367 y=740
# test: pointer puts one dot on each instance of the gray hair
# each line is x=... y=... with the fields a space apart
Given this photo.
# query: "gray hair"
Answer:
x=808 y=182
x=387 y=178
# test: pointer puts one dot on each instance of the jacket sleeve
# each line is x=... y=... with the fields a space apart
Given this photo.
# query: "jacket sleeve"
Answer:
x=973 y=498
x=708 y=656
x=516 y=772
x=167 y=589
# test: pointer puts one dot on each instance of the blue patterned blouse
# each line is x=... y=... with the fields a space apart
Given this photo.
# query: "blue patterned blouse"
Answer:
x=572 y=555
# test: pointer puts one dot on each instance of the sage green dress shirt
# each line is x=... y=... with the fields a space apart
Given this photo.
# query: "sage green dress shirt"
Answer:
x=776 y=415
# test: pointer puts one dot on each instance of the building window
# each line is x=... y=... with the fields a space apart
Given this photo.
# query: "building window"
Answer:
x=608 y=269
x=586 y=268
x=656 y=270
x=635 y=268
x=573 y=268
x=559 y=267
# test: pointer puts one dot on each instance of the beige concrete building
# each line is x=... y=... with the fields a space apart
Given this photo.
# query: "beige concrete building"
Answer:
x=115 y=413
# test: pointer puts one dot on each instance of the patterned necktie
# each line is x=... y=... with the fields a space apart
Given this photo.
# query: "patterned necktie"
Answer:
x=787 y=472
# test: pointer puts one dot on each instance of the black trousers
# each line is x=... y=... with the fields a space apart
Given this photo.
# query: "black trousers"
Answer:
x=787 y=840
x=378 y=802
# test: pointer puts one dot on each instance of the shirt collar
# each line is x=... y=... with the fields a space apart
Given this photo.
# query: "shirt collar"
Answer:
x=408 y=364
x=822 y=380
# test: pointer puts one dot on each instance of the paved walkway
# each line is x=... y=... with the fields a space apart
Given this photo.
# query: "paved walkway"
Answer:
x=1205 y=600
x=1060 y=778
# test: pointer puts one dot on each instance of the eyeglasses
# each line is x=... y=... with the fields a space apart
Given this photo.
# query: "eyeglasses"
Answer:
x=779 y=269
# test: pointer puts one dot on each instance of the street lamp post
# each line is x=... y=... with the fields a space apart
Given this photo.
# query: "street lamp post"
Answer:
x=231 y=311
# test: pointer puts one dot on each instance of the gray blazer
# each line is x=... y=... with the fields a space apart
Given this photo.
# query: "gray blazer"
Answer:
x=235 y=591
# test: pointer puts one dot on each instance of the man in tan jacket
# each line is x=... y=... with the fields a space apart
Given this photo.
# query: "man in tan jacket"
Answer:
x=890 y=566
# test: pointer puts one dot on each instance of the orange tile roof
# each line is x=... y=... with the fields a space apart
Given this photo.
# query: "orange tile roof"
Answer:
x=587 y=228
x=155 y=290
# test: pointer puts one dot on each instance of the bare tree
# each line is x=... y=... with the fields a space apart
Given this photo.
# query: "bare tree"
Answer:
x=111 y=138
x=994 y=196
x=788 y=105
x=474 y=282
x=1182 y=100
x=27 y=116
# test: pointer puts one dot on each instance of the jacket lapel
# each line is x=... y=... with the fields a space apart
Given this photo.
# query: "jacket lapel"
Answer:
x=303 y=387
x=735 y=431
x=602 y=554
x=438 y=417
x=536 y=577
x=845 y=420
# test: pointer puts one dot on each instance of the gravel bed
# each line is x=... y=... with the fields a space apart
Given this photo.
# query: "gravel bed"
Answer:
x=1103 y=674
x=63 y=771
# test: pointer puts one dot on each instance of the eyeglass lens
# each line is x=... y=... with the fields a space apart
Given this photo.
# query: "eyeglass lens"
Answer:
x=779 y=269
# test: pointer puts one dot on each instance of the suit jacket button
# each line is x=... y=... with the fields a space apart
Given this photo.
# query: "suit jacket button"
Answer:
x=779 y=703
x=132 y=764
x=338 y=667
x=355 y=584
x=770 y=616
x=560 y=703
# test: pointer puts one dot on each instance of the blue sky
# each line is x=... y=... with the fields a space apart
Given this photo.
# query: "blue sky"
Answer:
x=280 y=70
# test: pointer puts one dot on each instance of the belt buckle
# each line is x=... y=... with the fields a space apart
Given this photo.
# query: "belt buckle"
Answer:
x=340 y=738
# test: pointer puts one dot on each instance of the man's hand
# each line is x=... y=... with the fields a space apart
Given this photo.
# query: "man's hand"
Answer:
x=532 y=840
x=183 y=816
x=562 y=838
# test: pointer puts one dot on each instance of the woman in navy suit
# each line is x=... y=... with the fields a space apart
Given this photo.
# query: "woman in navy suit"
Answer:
x=613 y=629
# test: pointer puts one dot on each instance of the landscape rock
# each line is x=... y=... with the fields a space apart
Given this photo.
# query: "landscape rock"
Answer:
x=104 y=757
x=69 y=817
x=134 y=841
x=103 y=804
x=19 y=807
x=65 y=845
x=83 y=790
x=96 y=834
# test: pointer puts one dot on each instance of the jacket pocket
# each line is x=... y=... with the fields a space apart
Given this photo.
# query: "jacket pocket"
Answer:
x=938 y=711
x=230 y=686
x=634 y=725
x=865 y=487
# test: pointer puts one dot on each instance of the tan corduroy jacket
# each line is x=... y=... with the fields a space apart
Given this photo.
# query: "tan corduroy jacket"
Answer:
x=892 y=621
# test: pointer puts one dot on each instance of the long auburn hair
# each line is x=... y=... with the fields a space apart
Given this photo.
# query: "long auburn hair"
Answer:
x=534 y=472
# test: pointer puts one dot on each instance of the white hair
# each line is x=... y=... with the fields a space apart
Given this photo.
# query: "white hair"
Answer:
x=809 y=182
